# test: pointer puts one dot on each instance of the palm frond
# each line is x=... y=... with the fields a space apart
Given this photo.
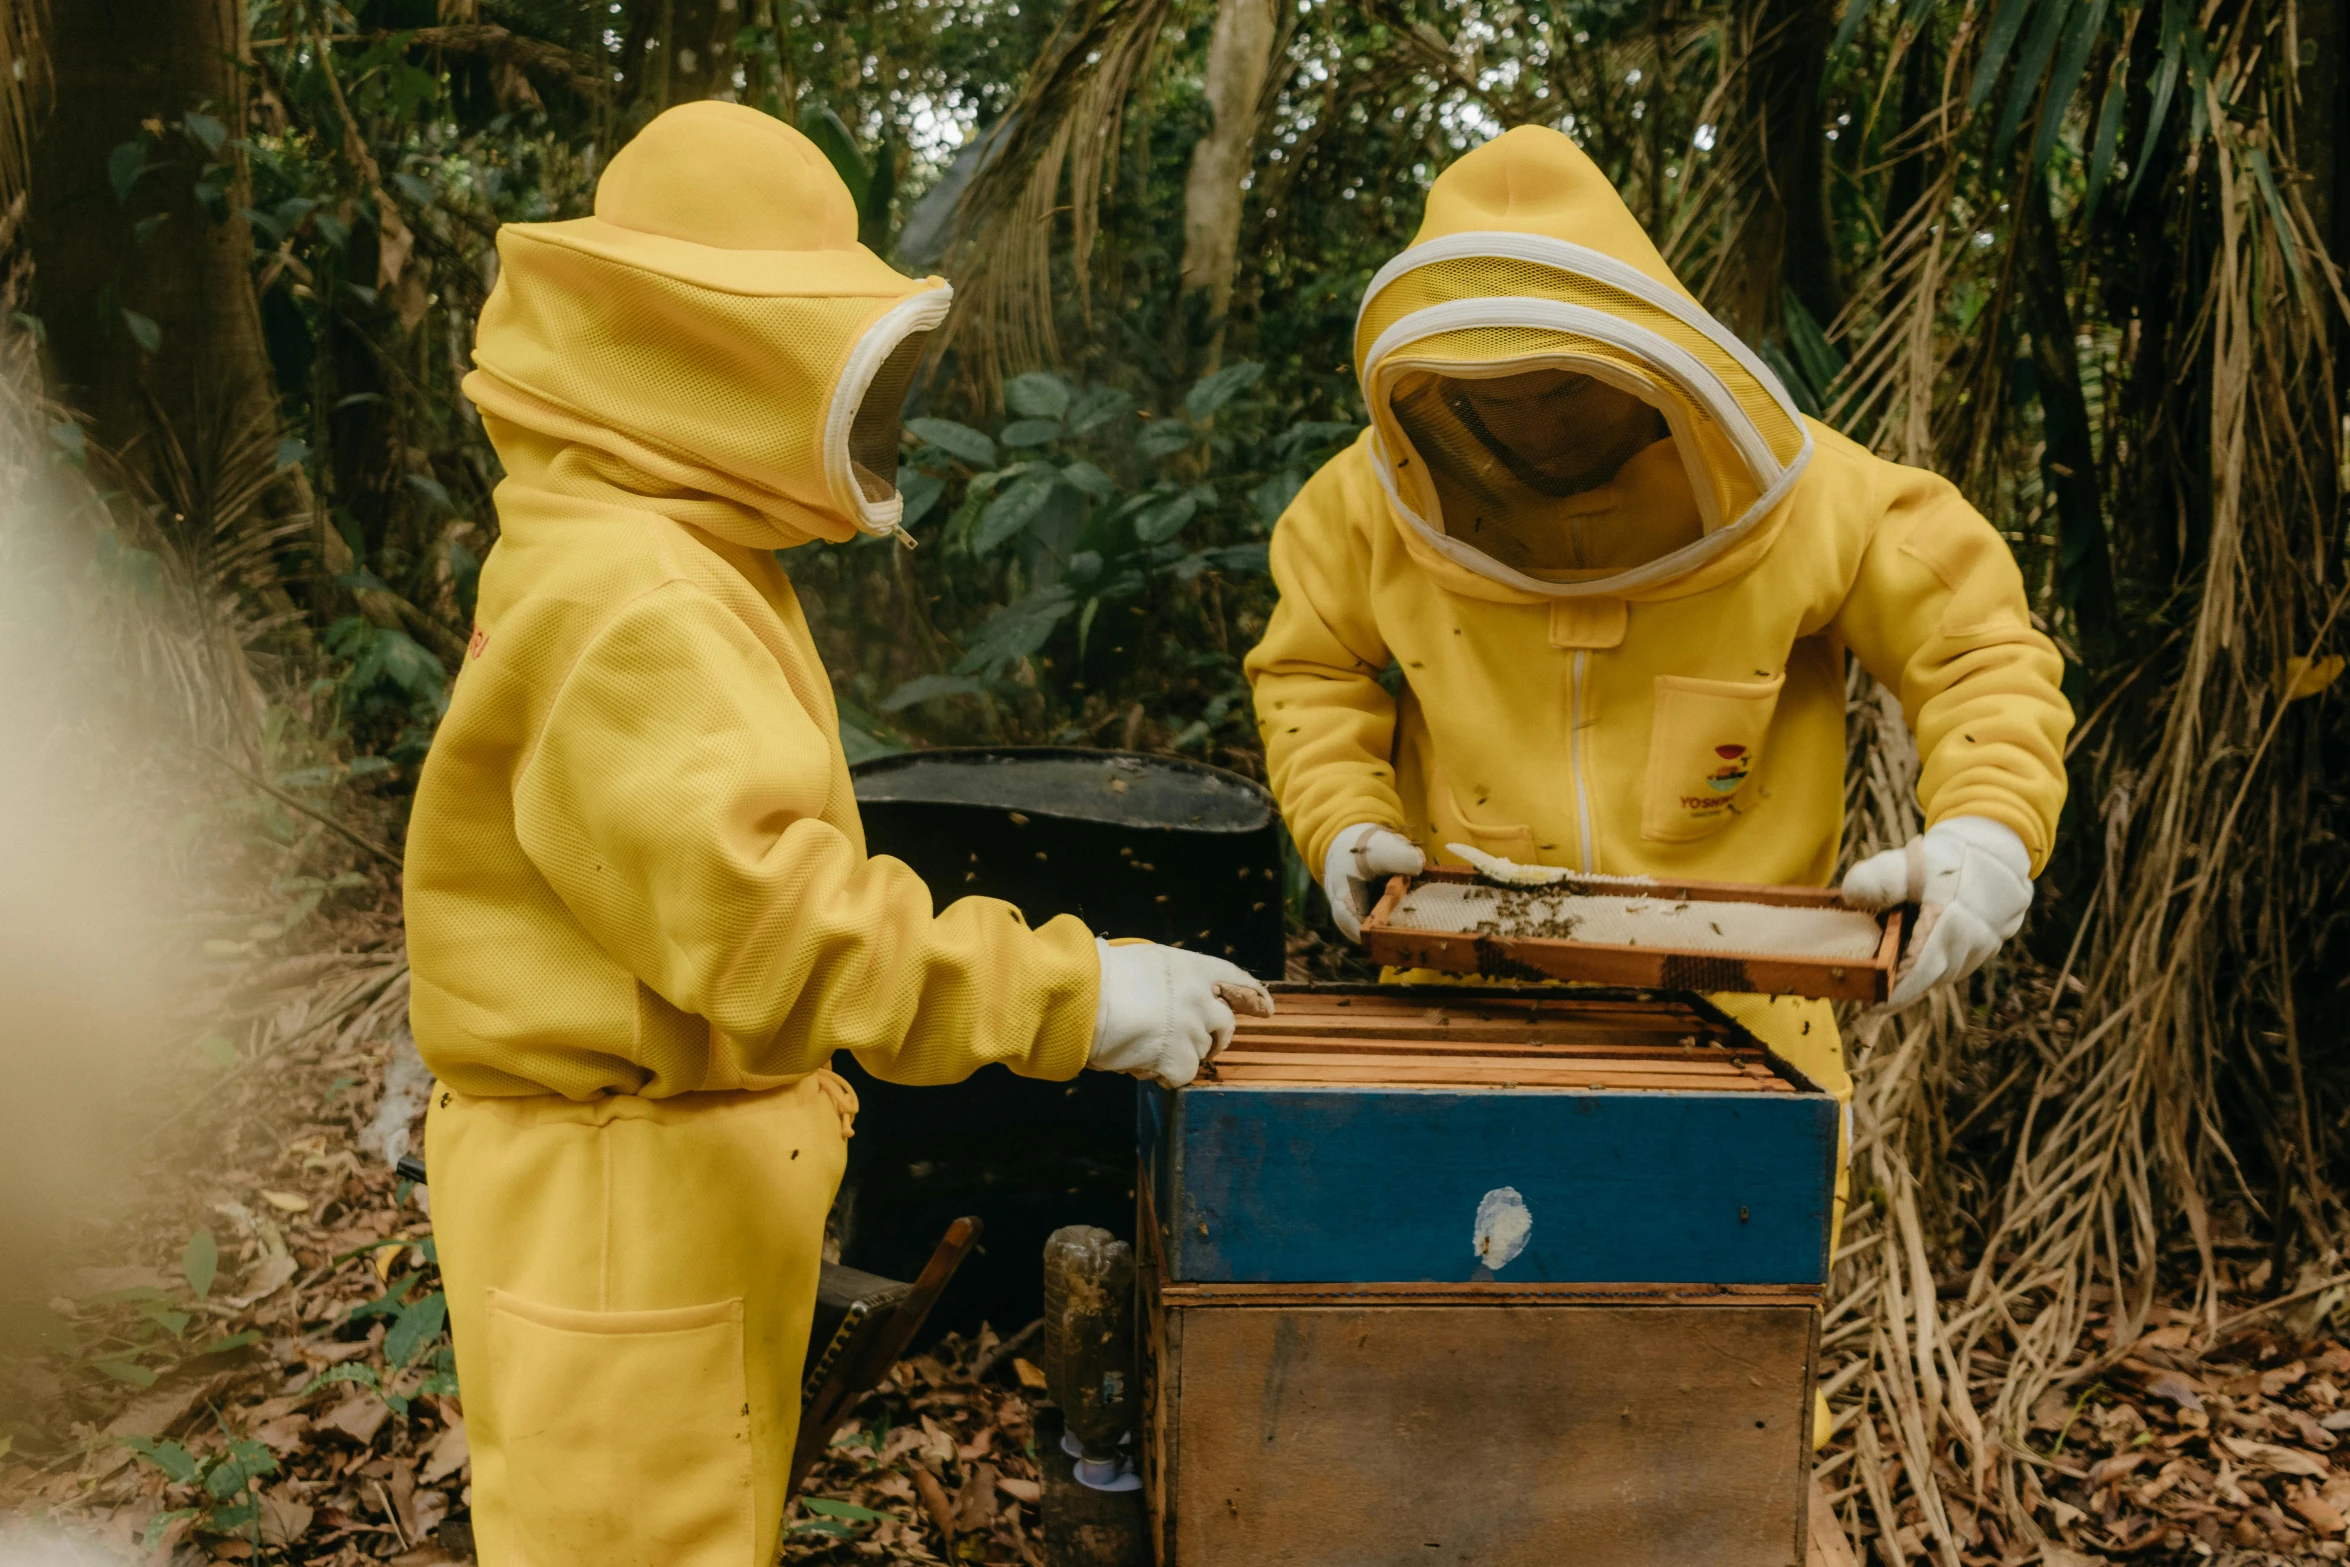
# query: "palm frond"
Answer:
x=1067 y=120
x=24 y=89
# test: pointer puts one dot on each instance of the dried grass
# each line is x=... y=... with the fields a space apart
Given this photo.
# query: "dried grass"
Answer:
x=2152 y=1093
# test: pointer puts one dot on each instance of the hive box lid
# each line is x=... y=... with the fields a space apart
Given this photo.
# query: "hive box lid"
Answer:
x=1398 y=1135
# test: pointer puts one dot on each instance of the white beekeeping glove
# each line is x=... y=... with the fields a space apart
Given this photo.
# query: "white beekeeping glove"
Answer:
x=1971 y=879
x=1359 y=862
x=1163 y=1010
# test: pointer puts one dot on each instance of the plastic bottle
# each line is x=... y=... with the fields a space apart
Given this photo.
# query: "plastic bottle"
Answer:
x=1089 y=1347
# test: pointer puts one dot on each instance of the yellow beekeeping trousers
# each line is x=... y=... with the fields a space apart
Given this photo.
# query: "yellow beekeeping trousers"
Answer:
x=630 y=1284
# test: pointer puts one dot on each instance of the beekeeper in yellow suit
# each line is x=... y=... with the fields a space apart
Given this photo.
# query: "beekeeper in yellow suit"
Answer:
x=641 y=917
x=1619 y=574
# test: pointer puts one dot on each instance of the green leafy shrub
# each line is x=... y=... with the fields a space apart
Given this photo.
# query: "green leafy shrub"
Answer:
x=1089 y=572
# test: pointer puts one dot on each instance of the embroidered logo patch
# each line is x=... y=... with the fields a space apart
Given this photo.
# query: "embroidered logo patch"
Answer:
x=1726 y=769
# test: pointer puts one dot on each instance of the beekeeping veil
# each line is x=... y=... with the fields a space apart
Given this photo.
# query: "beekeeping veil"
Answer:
x=1553 y=411
x=714 y=333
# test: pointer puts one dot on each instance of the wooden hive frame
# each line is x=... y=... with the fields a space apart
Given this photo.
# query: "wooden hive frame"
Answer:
x=1547 y=958
x=1438 y=1035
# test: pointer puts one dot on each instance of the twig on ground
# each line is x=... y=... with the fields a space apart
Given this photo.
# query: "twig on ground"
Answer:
x=1004 y=1351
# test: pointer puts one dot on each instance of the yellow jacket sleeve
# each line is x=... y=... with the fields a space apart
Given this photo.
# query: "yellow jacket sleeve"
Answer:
x=1938 y=613
x=672 y=801
x=1327 y=723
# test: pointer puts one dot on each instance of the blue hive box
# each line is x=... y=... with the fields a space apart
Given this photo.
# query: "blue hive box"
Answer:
x=1458 y=1275
x=1258 y=1178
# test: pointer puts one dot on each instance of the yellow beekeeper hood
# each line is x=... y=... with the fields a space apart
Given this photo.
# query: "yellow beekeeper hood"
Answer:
x=1553 y=415
x=714 y=336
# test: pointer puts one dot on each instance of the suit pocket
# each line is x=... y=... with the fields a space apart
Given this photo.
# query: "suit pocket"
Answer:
x=626 y=1434
x=1511 y=841
x=1704 y=745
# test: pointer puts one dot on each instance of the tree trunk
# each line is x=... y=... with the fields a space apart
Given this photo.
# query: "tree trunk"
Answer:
x=1240 y=52
x=148 y=304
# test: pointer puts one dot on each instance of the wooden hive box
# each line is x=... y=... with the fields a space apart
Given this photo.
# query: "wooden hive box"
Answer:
x=1450 y=1276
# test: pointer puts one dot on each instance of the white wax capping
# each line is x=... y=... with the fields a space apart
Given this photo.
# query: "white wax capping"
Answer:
x=1509 y=873
x=1616 y=919
x=1504 y=1225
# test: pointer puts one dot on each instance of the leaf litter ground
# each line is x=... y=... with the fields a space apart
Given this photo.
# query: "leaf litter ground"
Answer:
x=254 y=1367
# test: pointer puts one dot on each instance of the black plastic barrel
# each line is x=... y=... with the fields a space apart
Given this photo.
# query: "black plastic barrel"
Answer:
x=1133 y=845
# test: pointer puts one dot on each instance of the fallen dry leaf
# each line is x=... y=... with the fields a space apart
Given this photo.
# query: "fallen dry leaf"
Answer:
x=2312 y=1431
x=2272 y=1383
x=269 y=1275
x=1027 y=1491
x=283 y=1521
x=938 y=1443
x=2108 y=1470
x=975 y=1502
x=286 y=1202
x=358 y=1417
x=332 y=1354
x=903 y=1440
x=2172 y=1473
x=2178 y=1388
x=1829 y=1547
x=448 y=1454
x=163 y=1407
x=1030 y=1374
x=284 y=1434
x=2316 y=1511
x=400 y=1489
x=2275 y=1459
x=936 y=1503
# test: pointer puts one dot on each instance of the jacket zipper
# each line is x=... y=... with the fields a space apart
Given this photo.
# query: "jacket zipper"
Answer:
x=1575 y=760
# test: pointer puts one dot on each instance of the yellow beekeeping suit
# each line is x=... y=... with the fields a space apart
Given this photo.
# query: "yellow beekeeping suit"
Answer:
x=1618 y=573
x=1636 y=669
x=641 y=917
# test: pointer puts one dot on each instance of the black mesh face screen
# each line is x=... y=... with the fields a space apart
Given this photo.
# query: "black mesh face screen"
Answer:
x=1509 y=455
x=1553 y=432
x=873 y=434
